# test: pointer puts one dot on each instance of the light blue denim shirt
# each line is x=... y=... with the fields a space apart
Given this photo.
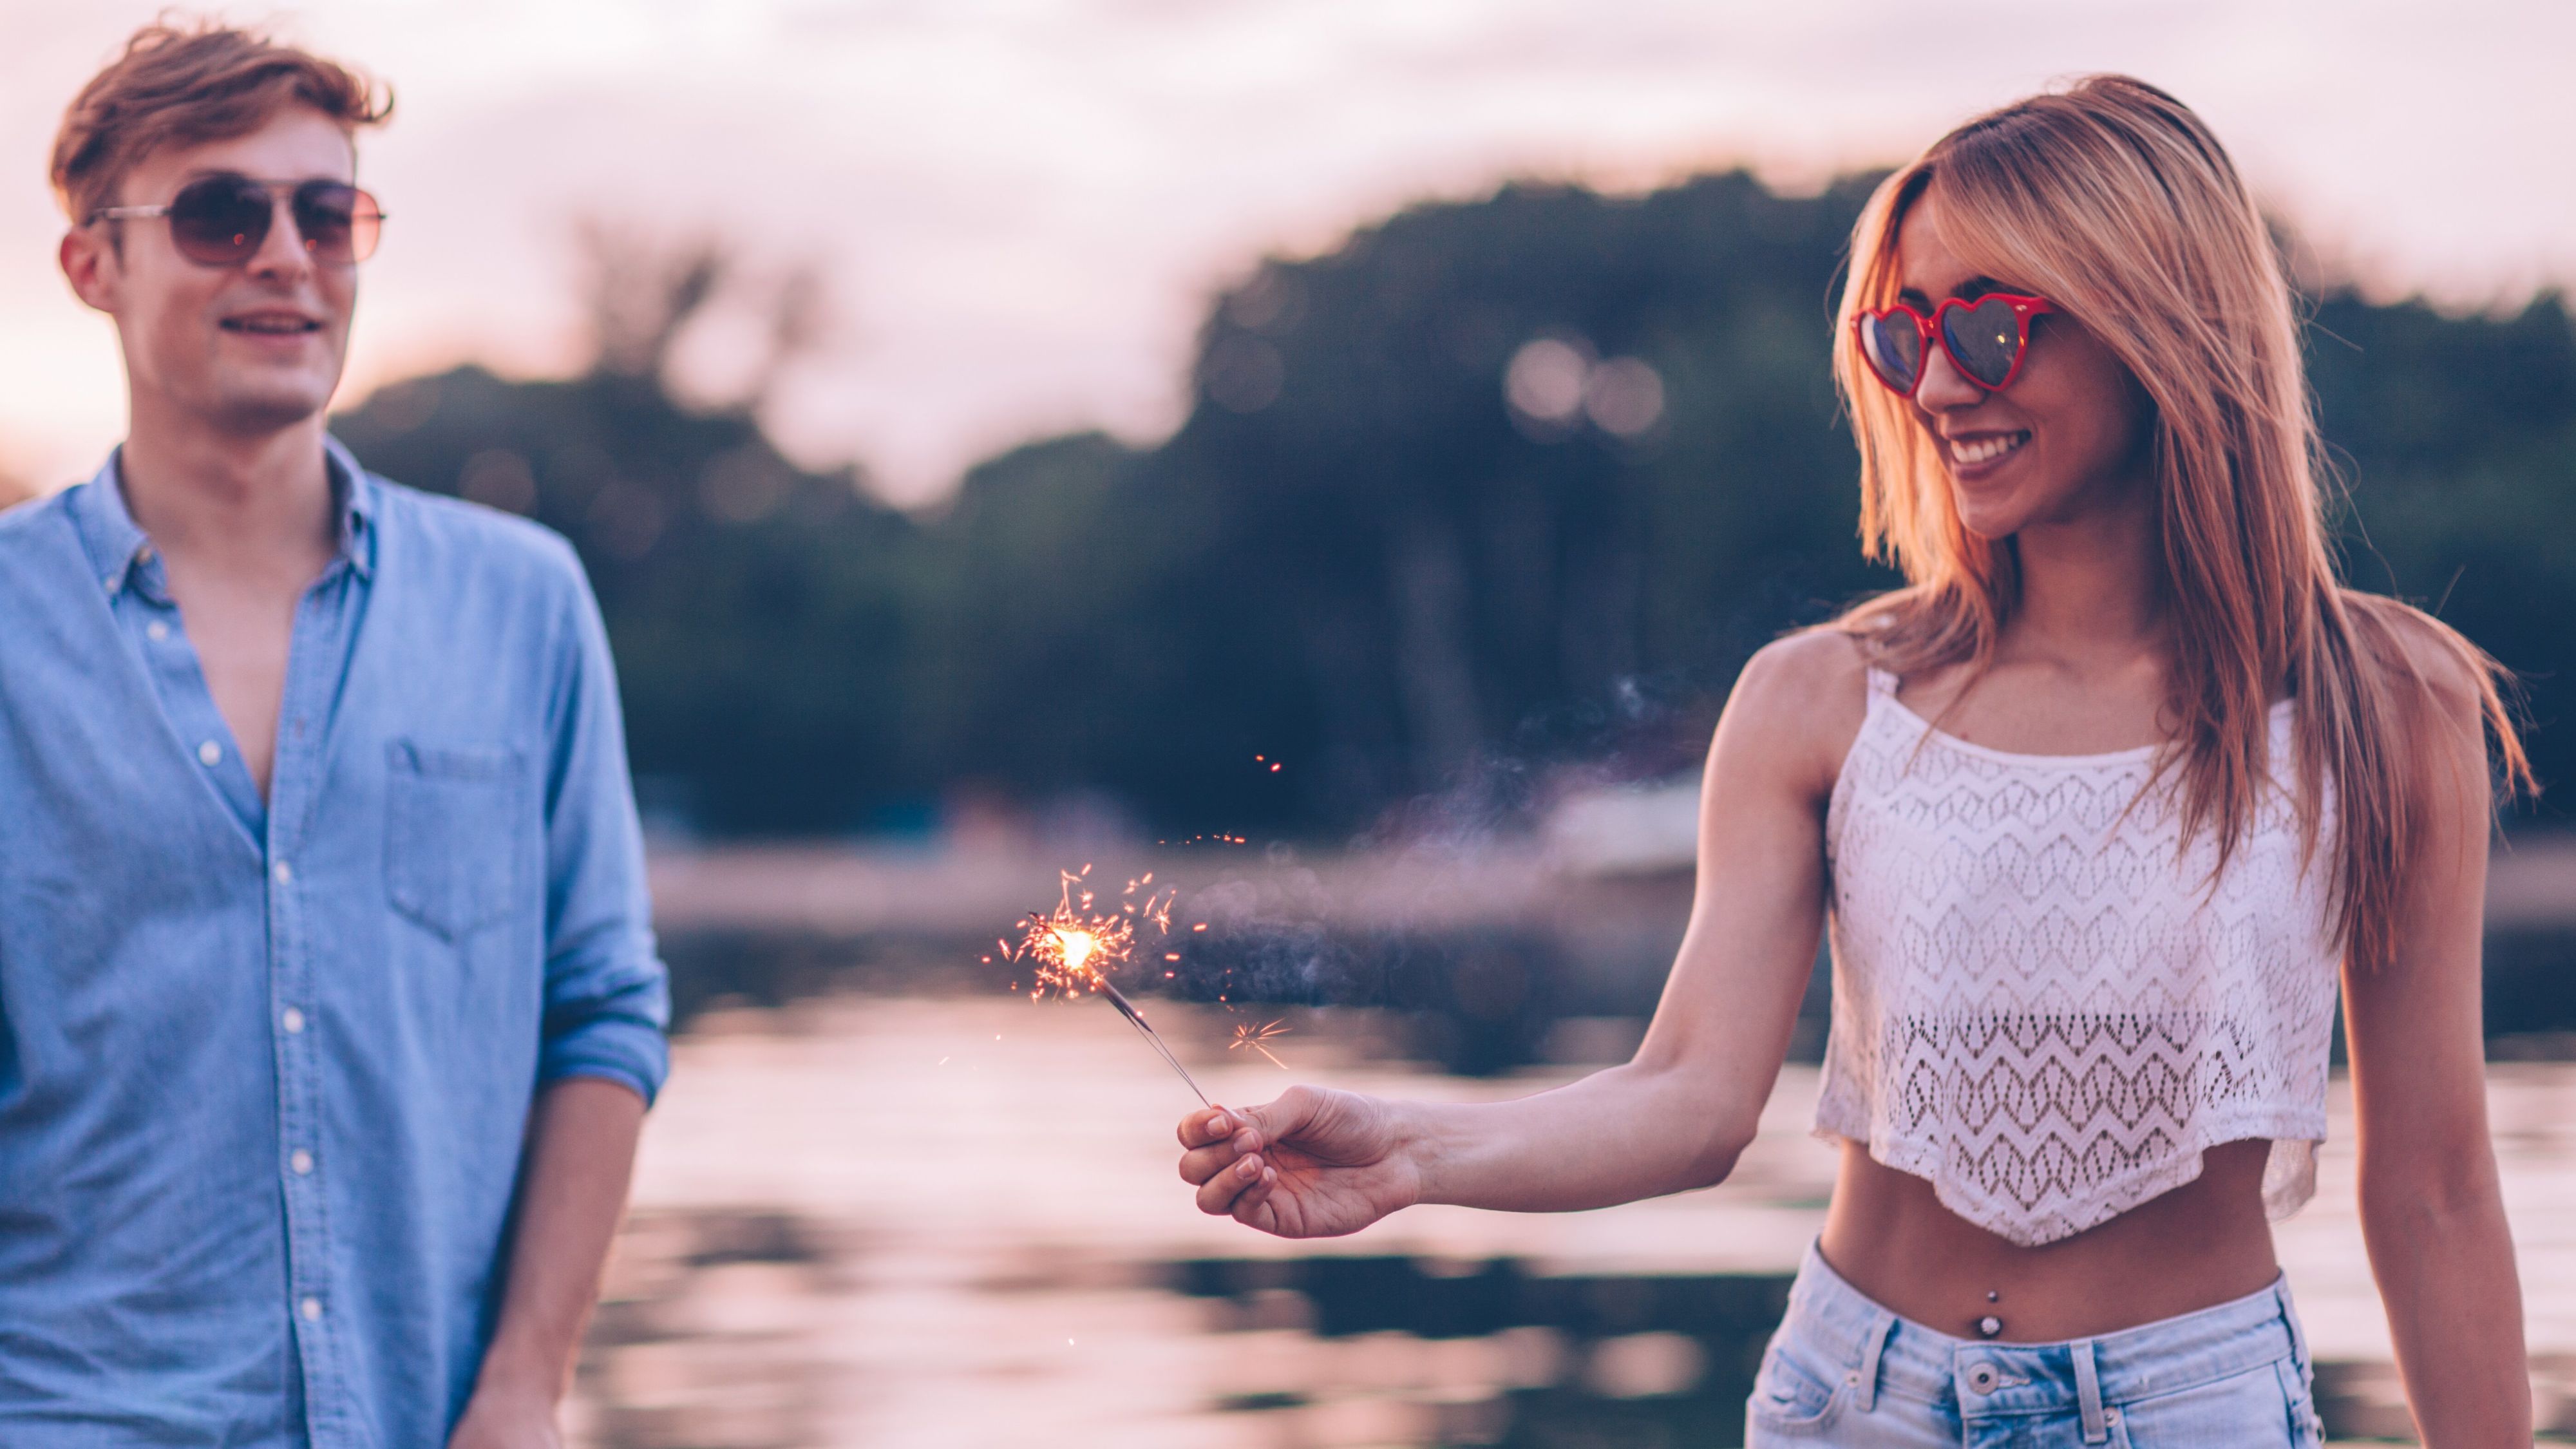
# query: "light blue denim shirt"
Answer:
x=265 y=1067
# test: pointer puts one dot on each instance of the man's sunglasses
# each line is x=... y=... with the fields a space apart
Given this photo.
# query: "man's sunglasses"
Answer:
x=1984 y=339
x=223 y=220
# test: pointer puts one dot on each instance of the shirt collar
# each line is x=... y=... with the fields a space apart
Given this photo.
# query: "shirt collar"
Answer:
x=118 y=547
x=115 y=543
x=355 y=491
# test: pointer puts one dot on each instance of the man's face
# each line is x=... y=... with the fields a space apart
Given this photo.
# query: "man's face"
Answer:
x=245 y=349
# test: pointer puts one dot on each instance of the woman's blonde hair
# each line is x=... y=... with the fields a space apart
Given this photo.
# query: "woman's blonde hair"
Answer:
x=2115 y=202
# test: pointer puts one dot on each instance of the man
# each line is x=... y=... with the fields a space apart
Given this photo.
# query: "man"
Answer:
x=329 y=1009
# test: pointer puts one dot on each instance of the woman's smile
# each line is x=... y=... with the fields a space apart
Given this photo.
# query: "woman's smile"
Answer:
x=1976 y=456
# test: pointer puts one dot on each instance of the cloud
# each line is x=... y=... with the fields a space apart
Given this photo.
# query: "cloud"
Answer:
x=1024 y=203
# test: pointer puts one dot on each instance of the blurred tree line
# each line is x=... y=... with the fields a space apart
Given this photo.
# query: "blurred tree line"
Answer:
x=1490 y=490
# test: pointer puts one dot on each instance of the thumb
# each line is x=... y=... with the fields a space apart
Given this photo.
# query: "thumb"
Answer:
x=1283 y=1116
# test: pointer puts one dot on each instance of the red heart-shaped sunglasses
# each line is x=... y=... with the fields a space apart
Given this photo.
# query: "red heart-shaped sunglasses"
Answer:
x=1984 y=339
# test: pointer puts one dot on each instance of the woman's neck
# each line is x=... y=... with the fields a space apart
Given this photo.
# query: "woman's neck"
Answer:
x=2091 y=587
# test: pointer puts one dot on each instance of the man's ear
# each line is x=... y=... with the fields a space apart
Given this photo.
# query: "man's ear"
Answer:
x=91 y=265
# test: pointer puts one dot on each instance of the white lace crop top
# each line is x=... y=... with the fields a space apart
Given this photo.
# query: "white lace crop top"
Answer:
x=2040 y=1005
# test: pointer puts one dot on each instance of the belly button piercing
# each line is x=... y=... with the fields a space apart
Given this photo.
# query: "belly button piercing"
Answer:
x=1990 y=1325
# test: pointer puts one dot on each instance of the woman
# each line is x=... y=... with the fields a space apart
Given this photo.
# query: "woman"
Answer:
x=2100 y=806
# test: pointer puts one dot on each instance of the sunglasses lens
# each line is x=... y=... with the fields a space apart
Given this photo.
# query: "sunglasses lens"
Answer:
x=339 y=223
x=1985 y=340
x=220 y=221
x=1893 y=347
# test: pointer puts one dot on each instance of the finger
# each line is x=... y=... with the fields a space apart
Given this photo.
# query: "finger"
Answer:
x=1201 y=1163
x=1252 y=1205
x=1199 y=1129
x=1216 y=1195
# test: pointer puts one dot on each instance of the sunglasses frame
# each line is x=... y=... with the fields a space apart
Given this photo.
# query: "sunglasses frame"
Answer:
x=281 y=195
x=1929 y=330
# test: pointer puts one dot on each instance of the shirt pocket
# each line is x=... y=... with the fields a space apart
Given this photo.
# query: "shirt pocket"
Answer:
x=453 y=834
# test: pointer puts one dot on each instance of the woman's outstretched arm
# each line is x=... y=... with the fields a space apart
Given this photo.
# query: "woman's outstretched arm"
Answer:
x=2432 y=1212
x=1317 y=1162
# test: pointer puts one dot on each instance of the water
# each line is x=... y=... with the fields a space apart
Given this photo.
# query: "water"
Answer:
x=918 y=1221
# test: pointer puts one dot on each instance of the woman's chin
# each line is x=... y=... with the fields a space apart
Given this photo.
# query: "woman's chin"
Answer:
x=1991 y=519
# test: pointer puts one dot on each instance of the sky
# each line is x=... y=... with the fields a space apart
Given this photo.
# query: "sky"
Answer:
x=1022 y=207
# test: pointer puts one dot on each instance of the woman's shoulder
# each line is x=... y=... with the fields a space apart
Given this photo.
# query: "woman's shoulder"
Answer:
x=1810 y=669
x=2421 y=659
x=2437 y=696
x=1803 y=697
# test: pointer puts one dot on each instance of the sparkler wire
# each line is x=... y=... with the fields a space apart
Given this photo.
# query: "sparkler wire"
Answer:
x=1126 y=1009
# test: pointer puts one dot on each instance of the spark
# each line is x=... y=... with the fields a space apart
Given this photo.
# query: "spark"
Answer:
x=1254 y=1037
x=1073 y=948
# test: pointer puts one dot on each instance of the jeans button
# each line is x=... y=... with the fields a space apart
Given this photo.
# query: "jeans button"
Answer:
x=1982 y=1378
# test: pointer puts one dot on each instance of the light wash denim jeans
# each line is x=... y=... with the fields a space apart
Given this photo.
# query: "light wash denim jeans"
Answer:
x=1844 y=1371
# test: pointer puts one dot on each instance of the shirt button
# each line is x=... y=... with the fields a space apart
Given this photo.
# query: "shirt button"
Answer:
x=143 y=554
x=311 y=1308
x=283 y=872
x=302 y=1162
x=208 y=753
x=158 y=630
x=292 y=1020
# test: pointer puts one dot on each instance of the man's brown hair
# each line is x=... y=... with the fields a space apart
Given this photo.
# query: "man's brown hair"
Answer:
x=185 y=84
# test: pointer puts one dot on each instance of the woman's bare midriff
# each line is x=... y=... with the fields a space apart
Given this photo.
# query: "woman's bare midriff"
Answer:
x=2197 y=1246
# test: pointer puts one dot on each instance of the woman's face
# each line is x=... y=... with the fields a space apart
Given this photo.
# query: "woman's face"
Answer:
x=2066 y=440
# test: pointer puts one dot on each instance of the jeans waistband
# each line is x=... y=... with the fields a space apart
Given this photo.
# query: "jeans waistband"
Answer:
x=1897 y=1355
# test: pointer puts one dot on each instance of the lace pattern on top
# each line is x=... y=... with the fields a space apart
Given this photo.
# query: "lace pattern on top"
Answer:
x=2041 y=1005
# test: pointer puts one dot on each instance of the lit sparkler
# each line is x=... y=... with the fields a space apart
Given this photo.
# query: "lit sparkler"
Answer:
x=1254 y=1037
x=1075 y=946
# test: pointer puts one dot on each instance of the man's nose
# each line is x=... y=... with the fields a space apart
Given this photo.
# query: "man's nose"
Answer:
x=282 y=252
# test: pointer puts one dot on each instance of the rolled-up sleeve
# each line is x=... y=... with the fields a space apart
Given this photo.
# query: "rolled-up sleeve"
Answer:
x=608 y=998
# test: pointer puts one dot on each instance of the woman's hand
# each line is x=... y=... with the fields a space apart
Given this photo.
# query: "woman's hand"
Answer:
x=1313 y=1164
